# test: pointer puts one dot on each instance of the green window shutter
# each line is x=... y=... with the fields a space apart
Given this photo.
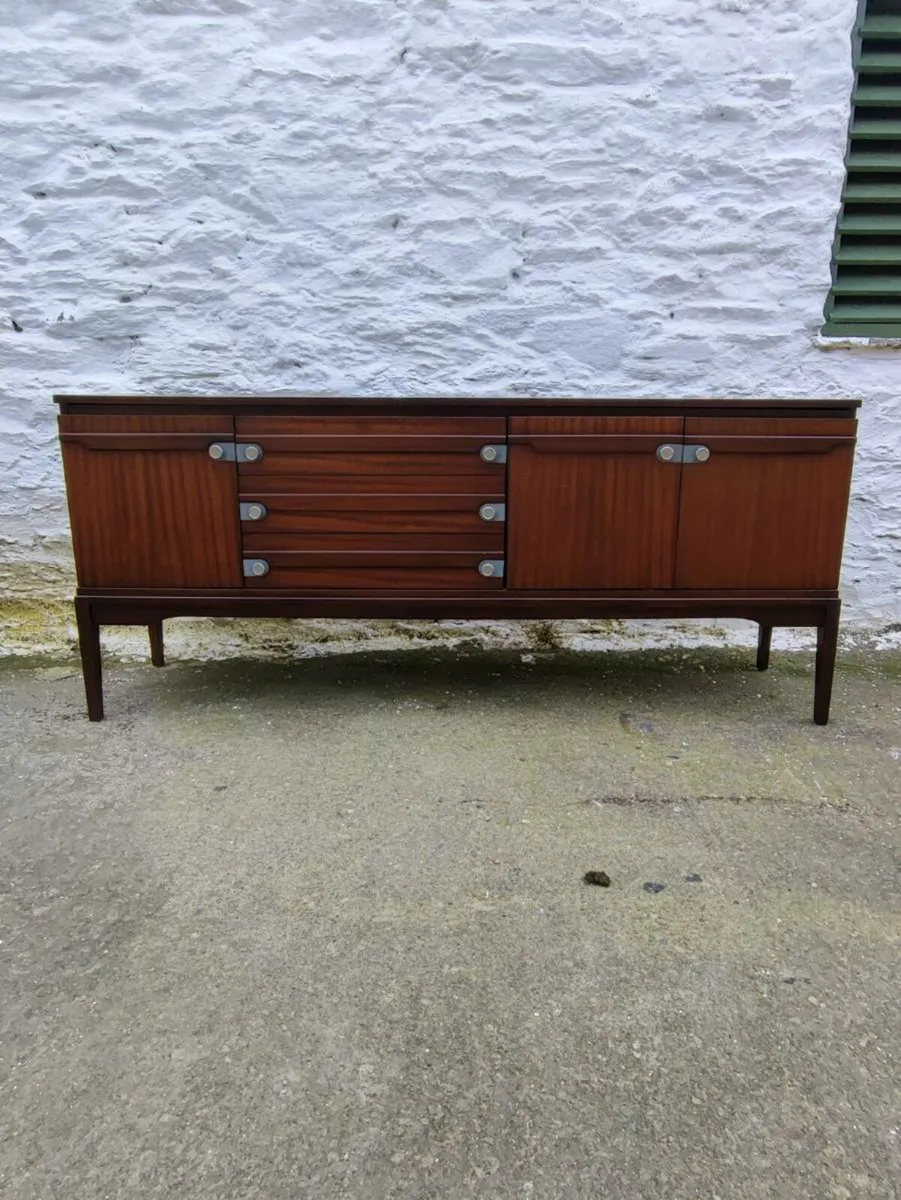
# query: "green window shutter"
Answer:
x=865 y=299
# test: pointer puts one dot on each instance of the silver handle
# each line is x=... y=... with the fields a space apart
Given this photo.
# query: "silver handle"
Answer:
x=253 y=511
x=492 y=568
x=218 y=451
x=256 y=567
x=683 y=454
x=493 y=512
x=493 y=454
x=249 y=452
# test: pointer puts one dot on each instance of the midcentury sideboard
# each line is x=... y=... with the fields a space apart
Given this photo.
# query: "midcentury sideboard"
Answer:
x=456 y=508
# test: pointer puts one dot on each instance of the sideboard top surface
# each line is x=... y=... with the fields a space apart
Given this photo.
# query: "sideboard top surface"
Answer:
x=462 y=405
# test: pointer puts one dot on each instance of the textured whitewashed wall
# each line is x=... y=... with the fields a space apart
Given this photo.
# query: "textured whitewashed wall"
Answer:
x=405 y=196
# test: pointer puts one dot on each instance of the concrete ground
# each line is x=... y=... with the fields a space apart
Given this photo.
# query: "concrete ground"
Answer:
x=319 y=930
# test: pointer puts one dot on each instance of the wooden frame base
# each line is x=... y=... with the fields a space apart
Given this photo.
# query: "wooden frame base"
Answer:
x=820 y=611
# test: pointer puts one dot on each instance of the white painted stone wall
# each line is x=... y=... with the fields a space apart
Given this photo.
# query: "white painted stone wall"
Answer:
x=534 y=197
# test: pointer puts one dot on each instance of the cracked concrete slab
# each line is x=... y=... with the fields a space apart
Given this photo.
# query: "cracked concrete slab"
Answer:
x=319 y=929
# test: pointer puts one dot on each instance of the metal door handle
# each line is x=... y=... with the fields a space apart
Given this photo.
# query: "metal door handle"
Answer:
x=683 y=454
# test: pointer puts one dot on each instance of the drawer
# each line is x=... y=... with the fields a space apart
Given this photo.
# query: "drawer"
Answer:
x=253 y=428
x=474 y=513
x=370 y=457
x=382 y=571
x=379 y=448
x=262 y=485
x=486 y=542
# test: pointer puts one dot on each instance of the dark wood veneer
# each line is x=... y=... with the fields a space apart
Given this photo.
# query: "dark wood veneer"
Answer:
x=373 y=509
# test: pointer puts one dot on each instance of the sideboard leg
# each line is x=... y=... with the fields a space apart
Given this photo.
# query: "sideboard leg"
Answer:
x=157 y=656
x=763 y=647
x=827 y=645
x=91 y=666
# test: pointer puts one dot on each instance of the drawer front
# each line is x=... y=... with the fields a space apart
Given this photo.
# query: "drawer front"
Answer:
x=474 y=513
x=253 y=428
x=301 y=452
x=299 y=459
x=363 y=487
x=485 y=542
x=378 y=571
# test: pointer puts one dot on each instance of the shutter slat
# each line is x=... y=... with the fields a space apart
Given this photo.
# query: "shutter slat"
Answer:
x=862 y=161
x=869 y=127
x=877 y=97
x=877 y=329
x=869 y=255
x=879 y=63
x=875 y=193
x=877 y=223
x=866 y=312
x=867 y=285
x=881 y=26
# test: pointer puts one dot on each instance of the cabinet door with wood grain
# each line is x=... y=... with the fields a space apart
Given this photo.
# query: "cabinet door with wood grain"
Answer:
x=592 y=502
x=149 y=506
x=763 y=503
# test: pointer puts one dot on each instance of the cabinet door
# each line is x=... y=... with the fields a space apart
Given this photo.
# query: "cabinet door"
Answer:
x=590 y=503
x=767 y=508
x=148 y=505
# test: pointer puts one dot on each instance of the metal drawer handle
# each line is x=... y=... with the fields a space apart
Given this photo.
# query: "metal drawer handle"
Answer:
x=249 y=452
x=253 y=511
x=222 y=451
x=702 y=453
x=256 y=567
x=493 y=454
x=492 y=568
x=493 y=512
x=668 y=454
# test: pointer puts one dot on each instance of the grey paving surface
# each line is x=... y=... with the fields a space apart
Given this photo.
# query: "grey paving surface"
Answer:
x=319 y=930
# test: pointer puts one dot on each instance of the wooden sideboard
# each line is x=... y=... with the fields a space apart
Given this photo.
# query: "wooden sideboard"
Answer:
x=465 y=508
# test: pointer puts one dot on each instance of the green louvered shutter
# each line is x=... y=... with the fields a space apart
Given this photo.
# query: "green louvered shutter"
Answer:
x=865 y=300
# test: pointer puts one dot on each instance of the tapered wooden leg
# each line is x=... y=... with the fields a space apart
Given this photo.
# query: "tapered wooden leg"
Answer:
x=157 y=657
x=827 y=645
x=91 y=666
x=763 y=647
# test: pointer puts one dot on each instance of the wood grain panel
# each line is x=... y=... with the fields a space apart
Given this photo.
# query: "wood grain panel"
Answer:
x=153 y=519
x=215 y=425
x=755 y=519
x=264 y=486
x=372 y=514
x=396 y=571
x=489 y=541
x=252 y=428
x=698 y=427
x=142 y=441
x=598 y=519
x=376 y=462
x=581 y=426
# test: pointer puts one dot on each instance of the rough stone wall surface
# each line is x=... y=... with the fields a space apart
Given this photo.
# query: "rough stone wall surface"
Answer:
x=528 y=197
